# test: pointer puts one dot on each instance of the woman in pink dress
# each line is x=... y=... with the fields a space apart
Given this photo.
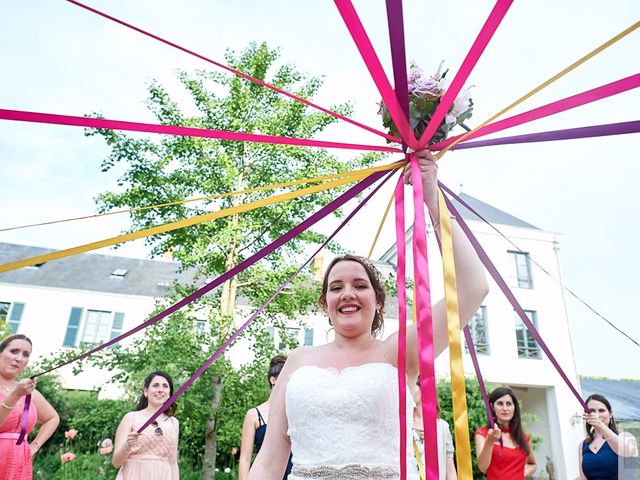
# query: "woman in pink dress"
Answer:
x=154 y=452
x=15 y=351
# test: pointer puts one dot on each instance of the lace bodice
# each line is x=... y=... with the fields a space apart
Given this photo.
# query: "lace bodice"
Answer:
x=346 y=417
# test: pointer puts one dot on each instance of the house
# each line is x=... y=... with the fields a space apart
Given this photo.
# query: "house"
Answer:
x=82 y=299
x=507 y=353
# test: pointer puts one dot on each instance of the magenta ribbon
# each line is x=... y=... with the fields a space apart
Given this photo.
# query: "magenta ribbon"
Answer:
x=89 y=122
x=484 y=258
x=250 y=320
x=426 y=352
x=620 y=128
x=368 y=54
x=482 y=40
x=398 y=57
x=236 y=72
x=588 y=96
x=401 y=282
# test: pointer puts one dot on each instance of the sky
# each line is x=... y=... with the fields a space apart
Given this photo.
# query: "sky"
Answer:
x=58 y=58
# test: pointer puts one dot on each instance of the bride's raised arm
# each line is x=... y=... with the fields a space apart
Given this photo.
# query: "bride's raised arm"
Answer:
x=471 y=281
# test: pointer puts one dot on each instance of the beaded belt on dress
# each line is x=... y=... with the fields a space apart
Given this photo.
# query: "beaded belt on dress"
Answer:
x=347 y=472
x=9 y=436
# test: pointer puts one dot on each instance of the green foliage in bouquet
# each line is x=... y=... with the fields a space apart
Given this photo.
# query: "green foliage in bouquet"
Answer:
x=425 y=94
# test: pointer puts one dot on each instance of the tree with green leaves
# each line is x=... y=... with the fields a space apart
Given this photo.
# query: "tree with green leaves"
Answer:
x=172 y=168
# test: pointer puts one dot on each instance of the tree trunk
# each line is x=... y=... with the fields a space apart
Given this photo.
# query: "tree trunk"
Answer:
x=211 y=432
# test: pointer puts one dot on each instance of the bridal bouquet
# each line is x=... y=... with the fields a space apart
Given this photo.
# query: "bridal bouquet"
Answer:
x=425 y=94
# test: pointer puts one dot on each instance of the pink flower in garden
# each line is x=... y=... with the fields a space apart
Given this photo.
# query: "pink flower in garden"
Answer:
x=105 y=450
x=67 y=457
x=71 y=434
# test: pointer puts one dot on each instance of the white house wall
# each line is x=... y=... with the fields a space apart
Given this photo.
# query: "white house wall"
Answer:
x=46 y=315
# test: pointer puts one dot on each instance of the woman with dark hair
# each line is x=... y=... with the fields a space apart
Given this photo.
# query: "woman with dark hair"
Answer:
x=504 y=451
x=15 y=460
x=598 y=453
x=154 y=452
x=335 y=406
x=254 y=427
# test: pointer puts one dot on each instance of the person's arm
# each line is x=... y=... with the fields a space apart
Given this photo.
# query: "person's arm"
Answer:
x=472 y=286
x=175 y=470
x=530 y=467
x=582 y=477
x=271 y=462
x=484 y=448
x=451 y=473
x=246 y=446
x=126 y=437
x=22 y=388
x=450 y=467
x=624 y=444
x=621 y=444
x=48 y=418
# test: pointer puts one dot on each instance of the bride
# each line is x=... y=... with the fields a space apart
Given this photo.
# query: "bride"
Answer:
x=335 y=406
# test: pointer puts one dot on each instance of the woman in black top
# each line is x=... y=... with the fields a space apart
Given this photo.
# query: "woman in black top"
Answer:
x=254 y=427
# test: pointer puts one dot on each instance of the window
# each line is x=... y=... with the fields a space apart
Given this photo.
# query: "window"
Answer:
x=289 y=334
x=92 y=327
x=11 y=314
x=308 y=336
x=520 y=275
x=479 y=332
x=527 y=345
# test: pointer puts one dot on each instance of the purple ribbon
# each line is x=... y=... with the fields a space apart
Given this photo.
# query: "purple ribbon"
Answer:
x=553 y=135
x=304 y=225
x=484 y=258
x=250 y=320
x=25 y=419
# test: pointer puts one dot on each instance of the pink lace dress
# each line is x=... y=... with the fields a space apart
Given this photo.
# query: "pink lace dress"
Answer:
x=155 y=455
x=15 y=460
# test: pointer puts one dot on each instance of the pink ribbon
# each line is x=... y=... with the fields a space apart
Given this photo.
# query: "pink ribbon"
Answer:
x=424 y=324
x=478 y=47
x=236 y=72
x=567 y=103
x=359 y=35
x=402 y=323
x=88 y=122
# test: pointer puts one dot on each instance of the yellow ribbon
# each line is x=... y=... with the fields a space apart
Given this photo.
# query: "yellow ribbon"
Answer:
x=416 y=453
x=209 y=197
x=191 y=221
x=458 y=393
x=545 y=84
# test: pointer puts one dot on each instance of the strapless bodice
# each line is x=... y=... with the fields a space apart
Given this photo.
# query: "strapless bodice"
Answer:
x=345 y=418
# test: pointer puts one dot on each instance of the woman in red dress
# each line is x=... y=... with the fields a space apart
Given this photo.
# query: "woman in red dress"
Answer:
x=513 y=458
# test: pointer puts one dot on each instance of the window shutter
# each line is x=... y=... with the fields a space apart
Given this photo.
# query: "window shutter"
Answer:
x=116 y=328
x=15 y=316
x=72 y=327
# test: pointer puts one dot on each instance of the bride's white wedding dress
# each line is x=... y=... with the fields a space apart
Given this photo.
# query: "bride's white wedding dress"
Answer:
x=344 y=424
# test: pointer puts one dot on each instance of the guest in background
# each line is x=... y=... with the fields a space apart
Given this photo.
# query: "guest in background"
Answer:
x=152 y=454
x=15 y=460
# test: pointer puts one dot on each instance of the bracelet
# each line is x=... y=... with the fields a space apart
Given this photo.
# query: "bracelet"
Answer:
x=611 y=437
x=8 y=407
